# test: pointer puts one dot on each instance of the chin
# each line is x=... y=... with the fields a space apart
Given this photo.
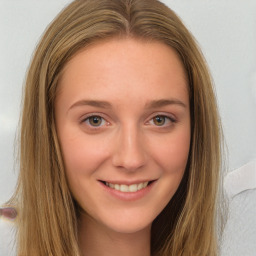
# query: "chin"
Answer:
x=130 y=228
x=128 y=223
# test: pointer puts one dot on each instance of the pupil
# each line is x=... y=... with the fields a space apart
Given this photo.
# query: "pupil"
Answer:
x=95 y=120
x=159 y=120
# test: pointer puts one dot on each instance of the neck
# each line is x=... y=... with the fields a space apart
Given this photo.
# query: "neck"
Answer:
x=97 y=240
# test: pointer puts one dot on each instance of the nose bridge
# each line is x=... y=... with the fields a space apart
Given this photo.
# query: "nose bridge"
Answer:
x=129 y=152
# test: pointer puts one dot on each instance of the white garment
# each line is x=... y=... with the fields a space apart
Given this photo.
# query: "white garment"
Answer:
x=240 y=231
x=241 y=179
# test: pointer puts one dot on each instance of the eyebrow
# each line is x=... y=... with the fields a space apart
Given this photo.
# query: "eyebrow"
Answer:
x=165 y=102
x=93 y=103
x=149 y=105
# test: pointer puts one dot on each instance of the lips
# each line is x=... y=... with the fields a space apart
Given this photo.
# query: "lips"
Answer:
x=127 y=190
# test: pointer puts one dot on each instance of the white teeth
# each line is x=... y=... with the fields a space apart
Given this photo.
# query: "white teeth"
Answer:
x=126 y=188
x=145 y=184
x=140 y=186
x=133 y=188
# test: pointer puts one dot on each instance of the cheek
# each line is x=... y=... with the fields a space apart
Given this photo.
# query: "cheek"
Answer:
x=172 y=156
x=82 y=155
x=172 y=152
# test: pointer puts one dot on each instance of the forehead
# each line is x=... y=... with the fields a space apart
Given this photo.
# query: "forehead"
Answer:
x=123 y=66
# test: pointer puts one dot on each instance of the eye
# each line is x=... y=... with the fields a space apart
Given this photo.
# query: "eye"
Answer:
x=161 y=120
x=95 y=121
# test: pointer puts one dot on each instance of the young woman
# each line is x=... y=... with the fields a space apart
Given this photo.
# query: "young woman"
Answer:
x=120 y=137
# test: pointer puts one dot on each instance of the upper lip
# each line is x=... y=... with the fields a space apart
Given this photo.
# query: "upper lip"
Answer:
x=126 y=182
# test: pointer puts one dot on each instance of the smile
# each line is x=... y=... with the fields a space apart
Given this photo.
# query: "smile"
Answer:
x=127 y=191
x=127 y=188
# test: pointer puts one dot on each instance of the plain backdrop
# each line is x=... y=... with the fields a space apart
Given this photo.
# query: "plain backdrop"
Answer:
x=226 y=32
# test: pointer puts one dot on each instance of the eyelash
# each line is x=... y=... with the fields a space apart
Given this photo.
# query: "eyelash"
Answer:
x=87 y=120
x=171 y=121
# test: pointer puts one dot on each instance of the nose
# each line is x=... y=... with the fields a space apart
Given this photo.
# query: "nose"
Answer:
x=129 y=153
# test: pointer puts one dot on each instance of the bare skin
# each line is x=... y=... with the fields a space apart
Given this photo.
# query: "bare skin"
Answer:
x=112 y=243
x=123 y=122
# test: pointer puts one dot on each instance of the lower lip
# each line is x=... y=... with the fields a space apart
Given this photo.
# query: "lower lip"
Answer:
x=128 y=196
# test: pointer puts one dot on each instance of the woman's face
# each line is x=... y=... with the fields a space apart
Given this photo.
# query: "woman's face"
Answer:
x=123 y=122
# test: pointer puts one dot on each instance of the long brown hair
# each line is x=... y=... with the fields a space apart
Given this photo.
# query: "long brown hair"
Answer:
x=47 y=223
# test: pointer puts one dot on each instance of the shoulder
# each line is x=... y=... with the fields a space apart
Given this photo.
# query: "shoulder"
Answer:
x=240 y=232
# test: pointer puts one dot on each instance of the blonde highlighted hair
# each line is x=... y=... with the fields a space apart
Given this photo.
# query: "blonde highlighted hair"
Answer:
x=47 y=222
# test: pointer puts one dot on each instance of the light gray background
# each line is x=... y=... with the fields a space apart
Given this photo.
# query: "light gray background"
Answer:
x=226 y=32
